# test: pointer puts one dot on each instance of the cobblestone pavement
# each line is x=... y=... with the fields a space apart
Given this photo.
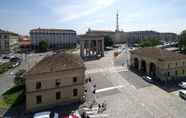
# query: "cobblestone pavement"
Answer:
x=135 y=99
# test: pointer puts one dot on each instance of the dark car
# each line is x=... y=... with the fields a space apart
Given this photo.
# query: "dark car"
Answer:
x=6 y=57
x=148 y=79
x=15 y=59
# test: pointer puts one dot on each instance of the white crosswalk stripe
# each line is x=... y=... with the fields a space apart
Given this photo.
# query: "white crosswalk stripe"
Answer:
x=109 y=88
x=111 y=69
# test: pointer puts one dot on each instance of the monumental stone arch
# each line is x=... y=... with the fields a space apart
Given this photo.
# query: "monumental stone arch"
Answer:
x=91 y=47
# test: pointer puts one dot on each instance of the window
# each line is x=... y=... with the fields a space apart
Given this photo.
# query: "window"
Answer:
x=75 y=92
x=6 y=44
x=74 y=79
x=168 y=66
x=176 y=72
x=58 y=95
x=58 y=82
x=183 y=71
x=5 y=36
x=0 y=36
x=176 y=63
x=183 y=63
x=38 y=85
x=38 y=99
x=168 y=74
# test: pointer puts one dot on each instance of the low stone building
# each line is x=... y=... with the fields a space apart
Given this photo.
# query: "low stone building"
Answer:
x=55 y=80
x=158 y=63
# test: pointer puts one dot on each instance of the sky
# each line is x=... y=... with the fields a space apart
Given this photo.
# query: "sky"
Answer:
x=134 y=15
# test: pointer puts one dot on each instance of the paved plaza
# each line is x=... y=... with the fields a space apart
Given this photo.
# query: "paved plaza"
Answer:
x=127 y=95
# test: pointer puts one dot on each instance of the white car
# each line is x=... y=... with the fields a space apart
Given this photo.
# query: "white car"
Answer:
x=182 y=93
x=46 y=114
x=182 y=85
x=16 y=64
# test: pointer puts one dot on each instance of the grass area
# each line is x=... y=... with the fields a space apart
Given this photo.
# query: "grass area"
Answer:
x=5 y=67
x=12 y=97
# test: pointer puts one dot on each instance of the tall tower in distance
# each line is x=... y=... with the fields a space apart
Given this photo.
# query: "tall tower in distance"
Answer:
x=117 y=22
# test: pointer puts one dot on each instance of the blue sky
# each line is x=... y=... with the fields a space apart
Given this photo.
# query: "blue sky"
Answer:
x=159 y=15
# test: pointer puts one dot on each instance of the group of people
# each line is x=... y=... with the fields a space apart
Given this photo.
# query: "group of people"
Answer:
x=102 y=107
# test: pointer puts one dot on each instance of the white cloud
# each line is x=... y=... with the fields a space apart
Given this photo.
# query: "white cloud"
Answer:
x=72 y=11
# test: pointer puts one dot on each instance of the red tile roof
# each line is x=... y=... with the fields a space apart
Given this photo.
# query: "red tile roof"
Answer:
x=57 y=62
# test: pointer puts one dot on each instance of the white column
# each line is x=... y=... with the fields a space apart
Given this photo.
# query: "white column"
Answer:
x=97 y=47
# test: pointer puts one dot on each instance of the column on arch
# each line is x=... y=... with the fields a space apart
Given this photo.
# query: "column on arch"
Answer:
x=102 y=48
x=97 y=48
x=82 y=46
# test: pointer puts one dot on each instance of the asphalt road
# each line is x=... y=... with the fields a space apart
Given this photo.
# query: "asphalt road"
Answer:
x=7 y=78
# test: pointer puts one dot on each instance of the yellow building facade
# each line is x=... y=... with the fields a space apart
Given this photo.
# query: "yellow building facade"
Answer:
x=159 y=63
x=56 y=80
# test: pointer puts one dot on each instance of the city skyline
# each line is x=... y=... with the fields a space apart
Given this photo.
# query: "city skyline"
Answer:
x=162 y=16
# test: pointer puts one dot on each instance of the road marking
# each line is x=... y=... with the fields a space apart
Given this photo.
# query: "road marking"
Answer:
x=99 y=115
x=109 y=88
x=111 y=69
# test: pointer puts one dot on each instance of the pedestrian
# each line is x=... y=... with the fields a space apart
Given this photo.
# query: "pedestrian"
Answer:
x=94 y=91
x=99 y=108
x=89 y=79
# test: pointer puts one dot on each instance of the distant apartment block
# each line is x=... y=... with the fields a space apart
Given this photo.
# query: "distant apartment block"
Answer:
x=133 y=37
x=56 y=38
x=55 y=80
x=137 y=36
x=8 y=41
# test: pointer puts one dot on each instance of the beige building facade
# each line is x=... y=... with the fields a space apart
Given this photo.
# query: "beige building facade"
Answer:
x=159 y=64
x=8 y=41
x=55 y=38
x=56 y=80
x=116 y=36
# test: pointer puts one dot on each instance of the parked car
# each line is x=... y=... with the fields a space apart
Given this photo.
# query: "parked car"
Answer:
x=46 y=114
x=182 y=85
x=16 y=64
x=182 y=94
x=148 y=79
x=6 y=57
x=15 y=59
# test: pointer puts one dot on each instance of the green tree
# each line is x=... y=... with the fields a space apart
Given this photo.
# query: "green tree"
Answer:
x=108 y=41
x=149 y=42
x=19 y=80
x=182 y=42
x=43 y=46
